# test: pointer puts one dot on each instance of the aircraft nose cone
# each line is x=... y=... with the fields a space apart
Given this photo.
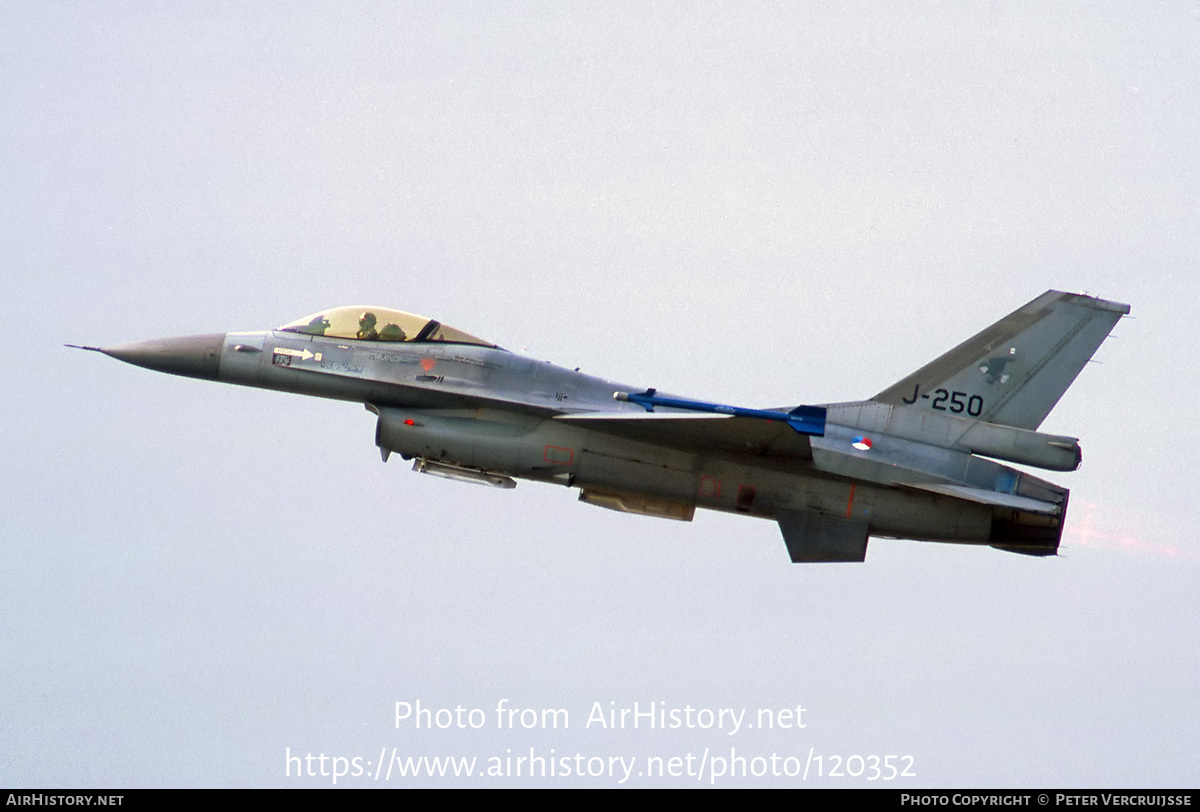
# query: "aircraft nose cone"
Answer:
x=192 y=356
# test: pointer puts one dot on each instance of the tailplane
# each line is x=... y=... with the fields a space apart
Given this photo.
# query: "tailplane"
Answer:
x=1014 y=372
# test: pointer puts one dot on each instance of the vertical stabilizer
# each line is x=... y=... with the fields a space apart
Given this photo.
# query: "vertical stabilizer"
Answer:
x=1013 y=372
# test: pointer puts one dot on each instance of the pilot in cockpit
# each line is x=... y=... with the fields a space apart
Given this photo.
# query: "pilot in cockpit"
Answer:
x=366 y=326
x=392 y=333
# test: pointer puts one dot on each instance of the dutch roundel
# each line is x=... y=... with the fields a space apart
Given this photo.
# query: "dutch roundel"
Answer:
x=862 y=443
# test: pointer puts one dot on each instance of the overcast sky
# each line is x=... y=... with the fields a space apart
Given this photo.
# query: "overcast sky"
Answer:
x=750 y=202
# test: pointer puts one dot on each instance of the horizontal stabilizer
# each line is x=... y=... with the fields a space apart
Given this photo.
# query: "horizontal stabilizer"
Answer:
x=994 y=498
x=818 y=538
x=1051 y=451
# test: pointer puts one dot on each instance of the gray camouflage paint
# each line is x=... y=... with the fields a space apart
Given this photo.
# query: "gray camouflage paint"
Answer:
x=916 y=461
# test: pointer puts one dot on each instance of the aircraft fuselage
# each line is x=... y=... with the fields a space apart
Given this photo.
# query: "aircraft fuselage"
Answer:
x=918 y=461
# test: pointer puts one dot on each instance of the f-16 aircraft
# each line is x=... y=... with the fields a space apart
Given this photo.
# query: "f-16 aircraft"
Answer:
x=918 y=461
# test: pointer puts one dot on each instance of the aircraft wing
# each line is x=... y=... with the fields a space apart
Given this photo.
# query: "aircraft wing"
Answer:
x=692 y=432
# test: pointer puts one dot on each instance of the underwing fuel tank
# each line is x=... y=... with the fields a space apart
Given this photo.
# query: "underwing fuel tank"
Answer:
x=463 y=439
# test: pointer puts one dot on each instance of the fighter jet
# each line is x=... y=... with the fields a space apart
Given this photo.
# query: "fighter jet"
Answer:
x=922 y=460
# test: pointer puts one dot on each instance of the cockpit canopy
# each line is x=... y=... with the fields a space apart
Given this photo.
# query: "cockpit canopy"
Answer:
x=365 y=323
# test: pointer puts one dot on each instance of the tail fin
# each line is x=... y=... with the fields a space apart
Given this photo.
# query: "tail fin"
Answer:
x=1014 y=372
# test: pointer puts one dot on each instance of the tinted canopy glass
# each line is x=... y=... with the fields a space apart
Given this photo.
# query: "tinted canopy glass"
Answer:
x=365 y=323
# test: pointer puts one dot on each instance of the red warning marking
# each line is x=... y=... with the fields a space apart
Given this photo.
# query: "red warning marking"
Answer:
x=850 y=501
x=428 y=363
x=558 y=455
x=710 y=487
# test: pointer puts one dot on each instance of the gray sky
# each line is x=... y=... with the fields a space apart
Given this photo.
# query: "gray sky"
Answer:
x=756 y=203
